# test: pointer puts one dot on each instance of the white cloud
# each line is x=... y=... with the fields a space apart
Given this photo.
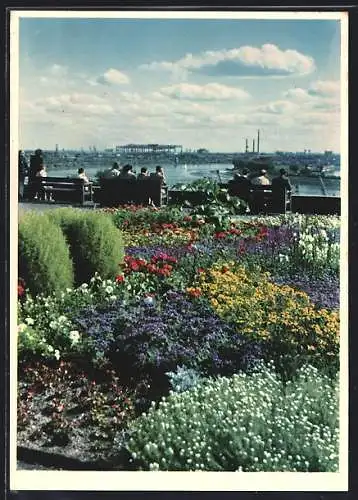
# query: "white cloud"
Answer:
x=245 y=61
x=75 y=105
x=297 y=94
x=208 y=92
x=278 y=107
x=325 y=88
x=113 y=77
x=321 y=95
x=58 y=70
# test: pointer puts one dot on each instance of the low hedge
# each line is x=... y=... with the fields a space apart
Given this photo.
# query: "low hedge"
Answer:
x=44 y=257
x=95 y=243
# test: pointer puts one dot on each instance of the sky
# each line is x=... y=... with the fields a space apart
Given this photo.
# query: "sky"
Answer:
x=199 y=83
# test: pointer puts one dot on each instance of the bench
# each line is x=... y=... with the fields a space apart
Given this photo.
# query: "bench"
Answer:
x=117 y=191
x=262 y=199
x=65 y=189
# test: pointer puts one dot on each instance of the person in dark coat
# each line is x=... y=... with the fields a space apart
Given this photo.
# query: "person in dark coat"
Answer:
x=23 y=172
x=36 y=165
x=241 y=185
x=281 y=182
x=281 y=189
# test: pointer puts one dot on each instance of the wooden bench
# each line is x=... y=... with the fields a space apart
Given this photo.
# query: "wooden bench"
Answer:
x=117 y=191
x=262 y=199
x=65 y=189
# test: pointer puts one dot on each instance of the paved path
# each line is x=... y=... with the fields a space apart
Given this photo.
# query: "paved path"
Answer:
x=40 y=207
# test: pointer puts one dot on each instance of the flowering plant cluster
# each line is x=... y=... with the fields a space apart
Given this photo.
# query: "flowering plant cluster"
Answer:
x=265 y=425
x=199 y=295
x=55 y=403
x=280 y=316
x=45 y=323
x=154 y=336
x=160 y=264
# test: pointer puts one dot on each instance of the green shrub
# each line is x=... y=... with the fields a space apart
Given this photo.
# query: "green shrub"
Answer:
x=95 y=243
x=243 y=423
x=44 y=257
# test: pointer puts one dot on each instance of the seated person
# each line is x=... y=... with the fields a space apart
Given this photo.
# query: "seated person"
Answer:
x=282 y=182
x=261 y=179
x=113 y=171
x=159 y=173
x=127 y=172
x=82 y=175
x=143 y=174
x=40 y=192
x=241 y=185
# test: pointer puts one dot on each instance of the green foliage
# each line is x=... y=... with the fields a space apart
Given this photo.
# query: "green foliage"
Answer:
x=96 y=244
x=212 y=200
x=45 y=323
x=44 y=257
x=244 y=423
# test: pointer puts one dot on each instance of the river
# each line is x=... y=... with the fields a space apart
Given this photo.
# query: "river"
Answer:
x=183 y=173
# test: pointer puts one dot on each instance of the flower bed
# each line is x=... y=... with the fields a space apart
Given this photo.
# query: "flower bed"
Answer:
x=197 y=305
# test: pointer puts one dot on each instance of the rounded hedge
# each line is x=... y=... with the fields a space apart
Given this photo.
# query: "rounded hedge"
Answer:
x=96 y=244
x=44 y=257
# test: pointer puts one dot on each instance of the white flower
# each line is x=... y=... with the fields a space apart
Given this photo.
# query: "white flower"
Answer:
x=148 y=300
x=57 y=354
x=50 y=348
x=21 y=327
x=109 y=289
x=53 y=325
x=68 y=290
x=62 y=319
x=74 y=336
x=29 y=321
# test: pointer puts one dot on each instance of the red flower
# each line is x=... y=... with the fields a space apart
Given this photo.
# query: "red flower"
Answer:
x=151 y=268
x=224 y=269
x=241 y=247
x=200 y=270
x=220 y=235
x=119 y=278
x=20 y=290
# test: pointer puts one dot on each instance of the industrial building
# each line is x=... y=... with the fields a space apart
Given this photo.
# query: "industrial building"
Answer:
x=150 y=148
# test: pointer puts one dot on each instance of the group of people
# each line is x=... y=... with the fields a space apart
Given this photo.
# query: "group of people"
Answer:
x=243 y=183
x=34 y=173
x=126 y=172
x=279 y=182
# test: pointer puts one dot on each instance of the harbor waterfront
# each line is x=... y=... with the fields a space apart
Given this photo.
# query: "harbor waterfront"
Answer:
x=186 y=173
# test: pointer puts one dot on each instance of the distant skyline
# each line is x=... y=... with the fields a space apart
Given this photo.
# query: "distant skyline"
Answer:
x=196 y=82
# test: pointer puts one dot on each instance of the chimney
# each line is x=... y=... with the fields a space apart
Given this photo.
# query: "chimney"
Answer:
x=253 y=145
x=258 y=141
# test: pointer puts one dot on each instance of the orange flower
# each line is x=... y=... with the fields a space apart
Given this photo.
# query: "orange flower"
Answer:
x=194 y=292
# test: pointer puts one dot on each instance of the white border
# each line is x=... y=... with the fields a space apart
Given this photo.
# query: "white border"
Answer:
x=180 y=481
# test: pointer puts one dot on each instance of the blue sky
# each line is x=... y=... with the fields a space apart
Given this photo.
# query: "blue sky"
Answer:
x=195 y=82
